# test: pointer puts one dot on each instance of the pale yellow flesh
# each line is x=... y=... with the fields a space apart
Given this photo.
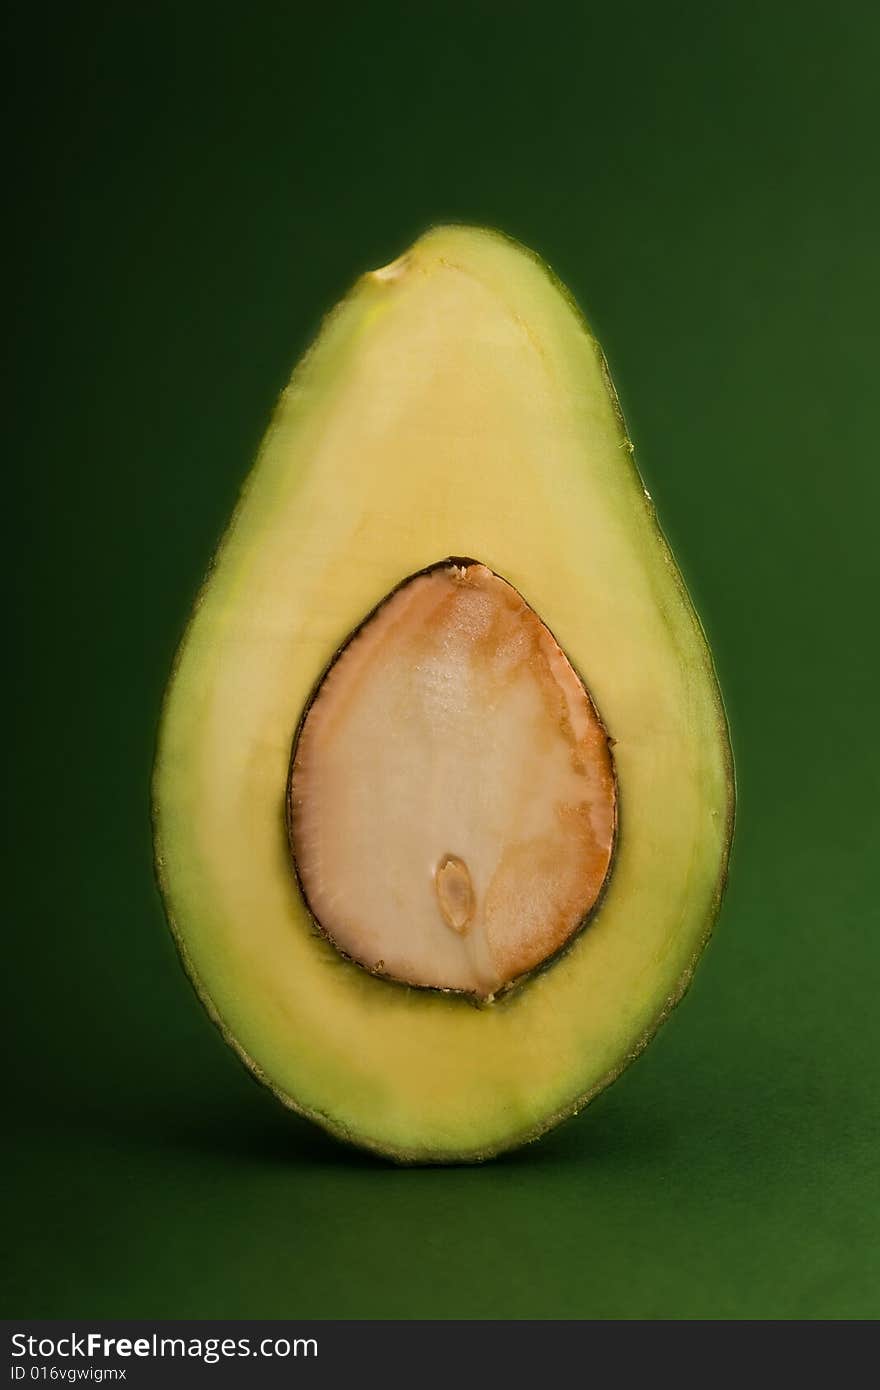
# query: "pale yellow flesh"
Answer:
x=452 y=795
x=454 y=405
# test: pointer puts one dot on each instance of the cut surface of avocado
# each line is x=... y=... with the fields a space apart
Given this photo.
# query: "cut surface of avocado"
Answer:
x=452 y=792
x=455 y=404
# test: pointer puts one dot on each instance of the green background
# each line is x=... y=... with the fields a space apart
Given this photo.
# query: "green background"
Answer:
x=191 y=187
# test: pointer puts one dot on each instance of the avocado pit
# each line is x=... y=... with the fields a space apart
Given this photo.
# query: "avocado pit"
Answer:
x=452 y=798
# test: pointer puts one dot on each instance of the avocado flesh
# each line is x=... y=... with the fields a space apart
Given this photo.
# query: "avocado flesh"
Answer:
x=454 y=404
x=452 y=799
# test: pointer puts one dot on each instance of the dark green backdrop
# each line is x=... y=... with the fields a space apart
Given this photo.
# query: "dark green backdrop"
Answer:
x=191 y=187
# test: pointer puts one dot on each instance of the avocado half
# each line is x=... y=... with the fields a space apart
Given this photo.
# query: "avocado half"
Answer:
x=443 y=795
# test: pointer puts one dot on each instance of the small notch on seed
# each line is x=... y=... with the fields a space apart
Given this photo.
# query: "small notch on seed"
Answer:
x=455 y=892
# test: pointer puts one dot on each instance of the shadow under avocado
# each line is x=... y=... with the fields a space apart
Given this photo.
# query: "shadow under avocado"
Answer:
x=257 y=1129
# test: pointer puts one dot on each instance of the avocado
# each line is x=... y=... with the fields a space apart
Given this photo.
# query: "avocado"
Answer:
x=443 y=794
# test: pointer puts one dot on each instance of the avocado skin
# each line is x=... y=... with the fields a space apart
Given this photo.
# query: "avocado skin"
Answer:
x=431 y=1156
